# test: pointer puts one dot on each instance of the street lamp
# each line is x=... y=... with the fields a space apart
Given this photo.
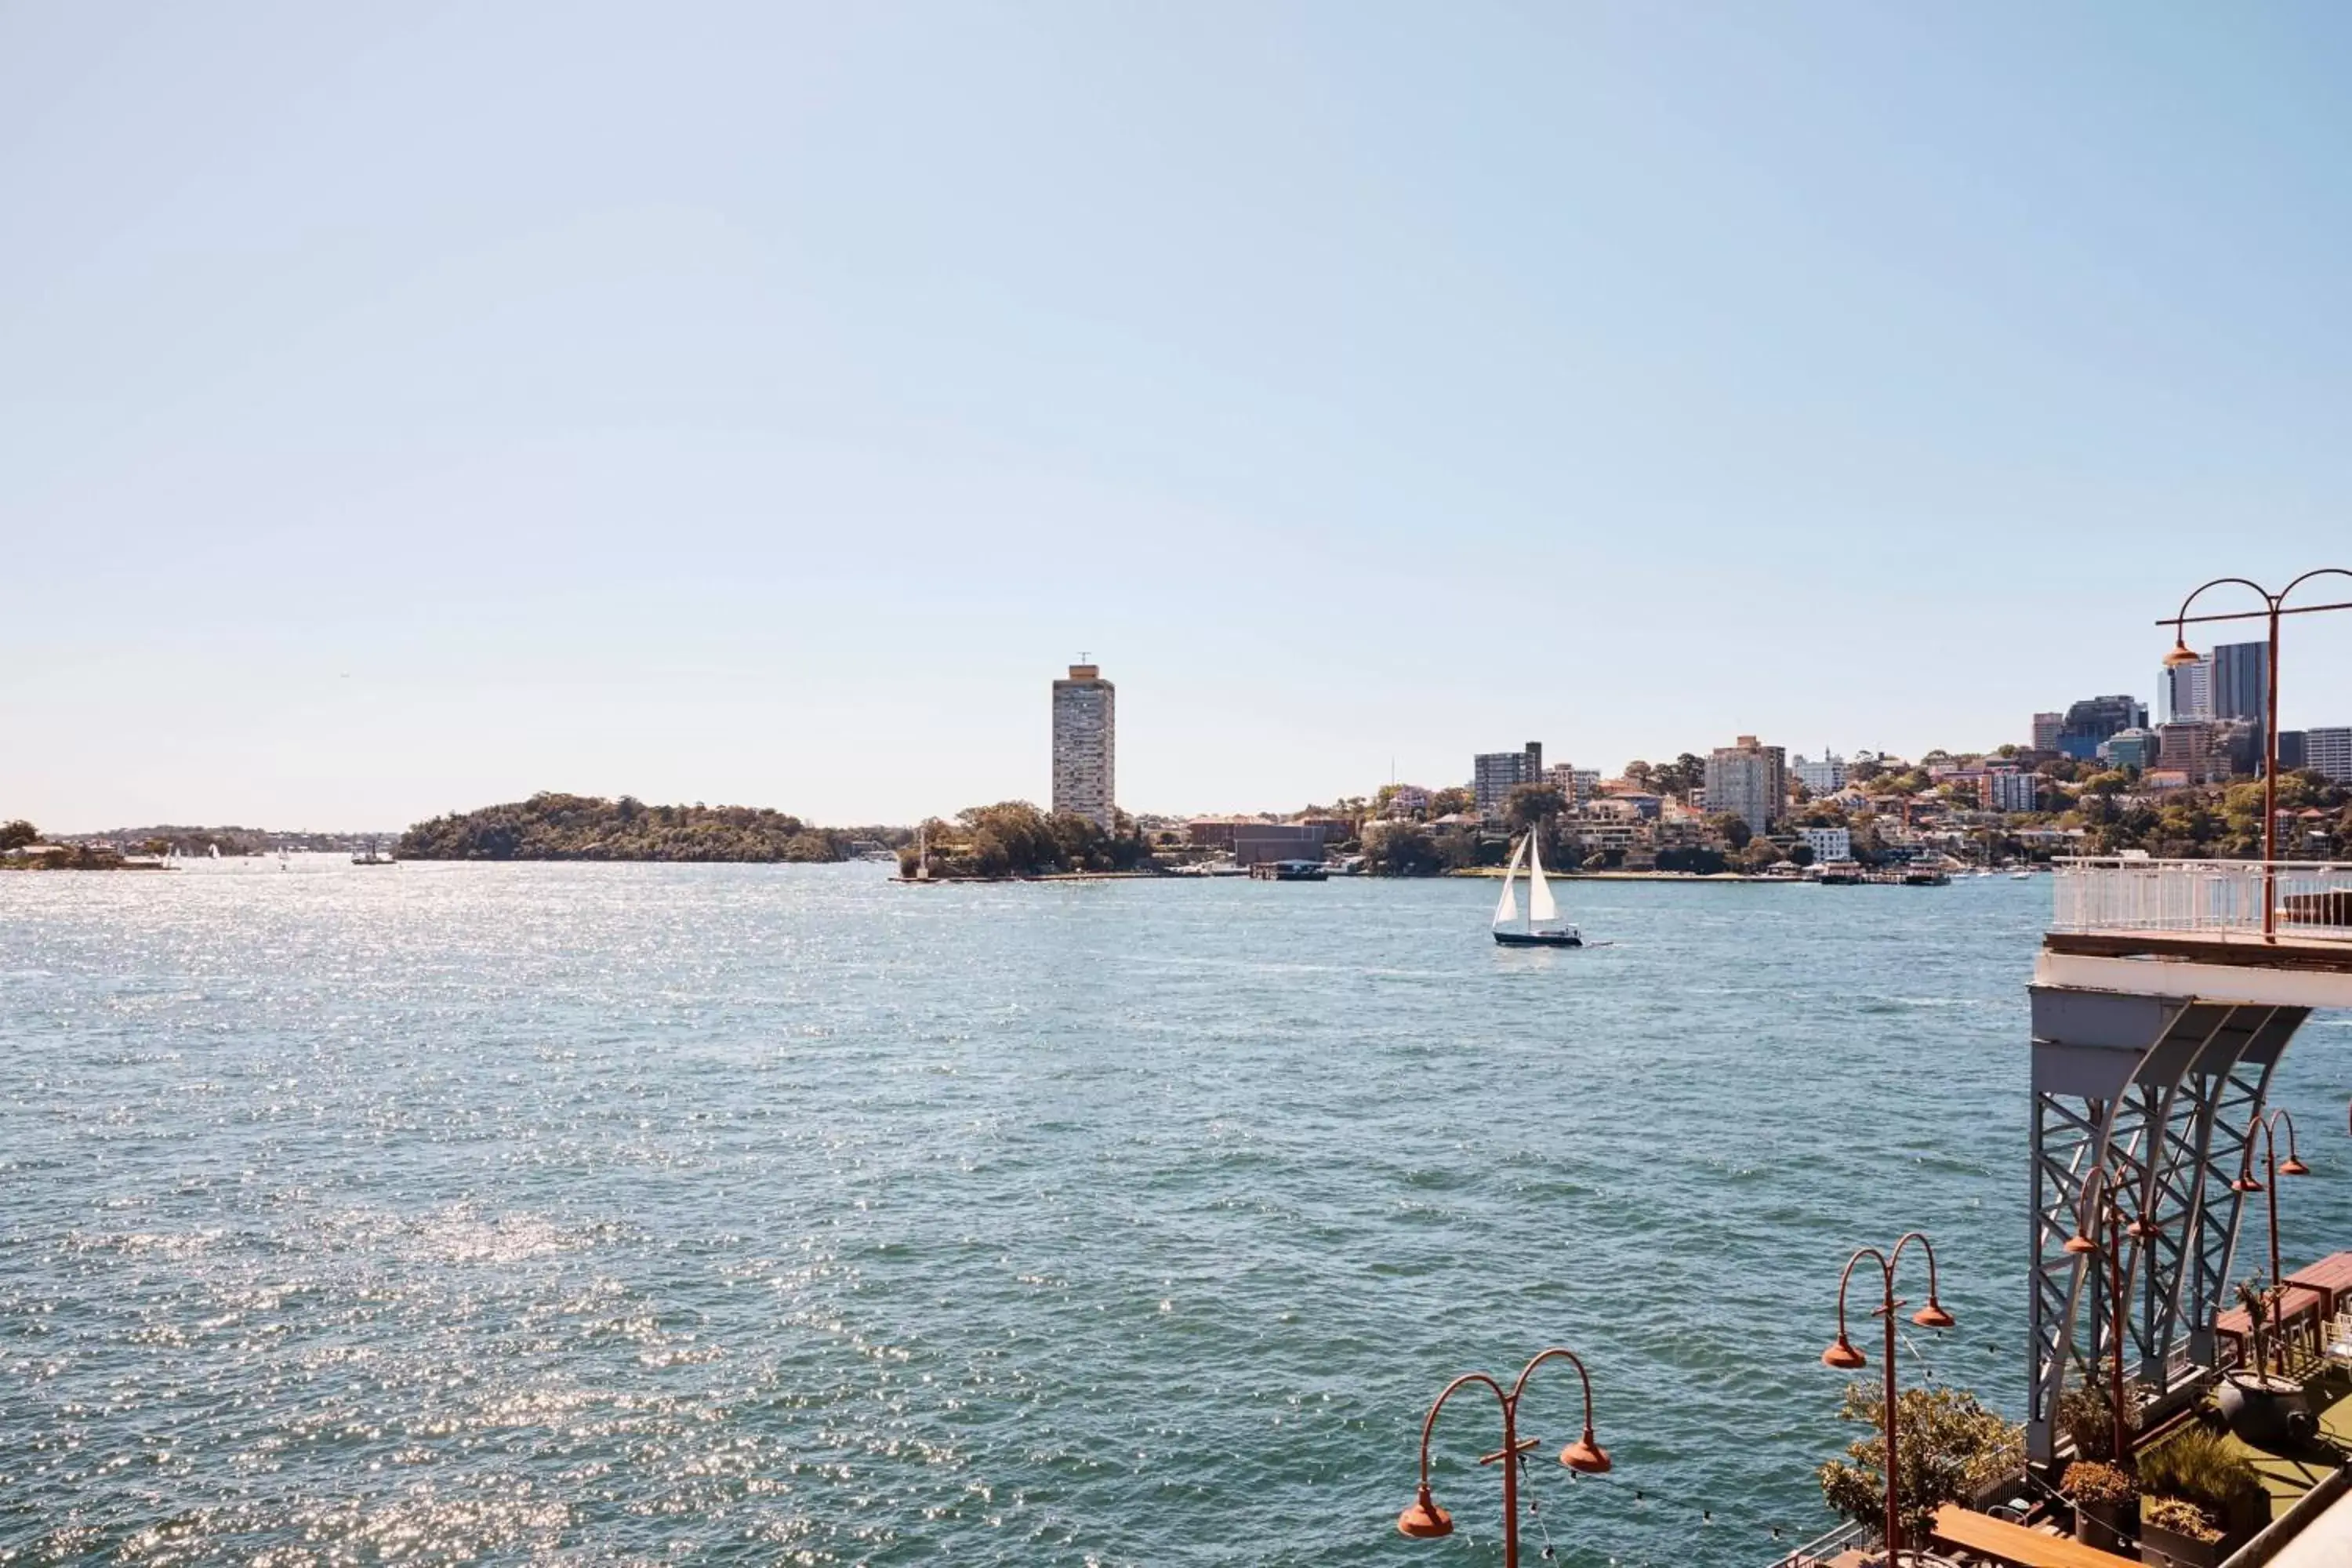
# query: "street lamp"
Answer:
x=2246 y=1183
x=1845 y=1357
x=1424 y=1521
x=2097 y=1206
x=2273 y=606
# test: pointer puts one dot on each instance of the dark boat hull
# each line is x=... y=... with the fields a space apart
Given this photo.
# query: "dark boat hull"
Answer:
x=1536 y=939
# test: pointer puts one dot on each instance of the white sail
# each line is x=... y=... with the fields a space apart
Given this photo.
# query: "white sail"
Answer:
x=1540 y=905
x=1506 y=908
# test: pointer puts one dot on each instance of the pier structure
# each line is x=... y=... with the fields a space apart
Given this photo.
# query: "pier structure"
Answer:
x=2164 y=997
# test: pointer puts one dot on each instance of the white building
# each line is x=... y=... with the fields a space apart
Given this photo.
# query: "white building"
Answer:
x=2188 y=690
x=2330 y=752
x=1749 y=782
x=2012 y=790
x=1825 y=776
x=1576 y=785
x=1085 y=732
x=1828 y=844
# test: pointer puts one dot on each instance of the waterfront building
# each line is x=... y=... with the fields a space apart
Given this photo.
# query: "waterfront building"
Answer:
x=1260 y=843
x=1085 y=746
x=1824 y=776
x=2046 y=727
x=2094 y=719
x=2132 y=748
x=2013 y=789
x=2329 y=752
x=1494 y=774
x=1574 y=783
x=1748 y=781
x=2188 y=690
x=1829 y=844
x=2242 y=675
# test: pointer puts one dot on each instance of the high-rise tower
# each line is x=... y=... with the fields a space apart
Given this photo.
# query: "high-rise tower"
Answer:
x=1085 y=744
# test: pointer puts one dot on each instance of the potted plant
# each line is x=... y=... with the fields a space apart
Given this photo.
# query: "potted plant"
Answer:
x=2199 y=1468
x=2103 y=1497
x=2176 y=1533
x=2265 y=1409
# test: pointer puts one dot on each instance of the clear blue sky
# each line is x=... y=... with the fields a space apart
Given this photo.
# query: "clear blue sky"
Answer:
x=407 y=407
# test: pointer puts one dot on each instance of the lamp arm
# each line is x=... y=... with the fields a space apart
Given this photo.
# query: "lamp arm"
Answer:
x=2284 y=1115
x=2308 y=576
x=1925 y=1246
x=1563 y=1354
x=1885 y=1268
x=2268 y=599
x=1429 y=1423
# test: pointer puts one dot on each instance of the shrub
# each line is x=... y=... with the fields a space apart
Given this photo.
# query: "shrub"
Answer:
x=2181 y=1517
x=2083 y=1415
x=2095 y=1481
x=2201 y=1467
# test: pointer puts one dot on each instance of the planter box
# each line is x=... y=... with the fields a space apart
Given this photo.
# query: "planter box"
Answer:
x=2165 y=1549
x=2103 y=1525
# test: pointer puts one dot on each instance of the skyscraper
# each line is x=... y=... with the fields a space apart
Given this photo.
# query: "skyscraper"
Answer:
x=1749 y=782
x=2242 y=678
x=1494 y=774
x=2188 y=690
x=2330 y=752
x=1085 y=737
x=2045 y=731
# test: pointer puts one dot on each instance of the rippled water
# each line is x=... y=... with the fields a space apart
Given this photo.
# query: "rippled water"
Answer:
x=765 y=1215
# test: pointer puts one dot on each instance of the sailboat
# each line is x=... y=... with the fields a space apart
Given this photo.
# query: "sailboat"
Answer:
x=1543 y=928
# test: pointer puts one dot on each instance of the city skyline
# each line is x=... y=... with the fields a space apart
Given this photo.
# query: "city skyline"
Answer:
x=364 y=463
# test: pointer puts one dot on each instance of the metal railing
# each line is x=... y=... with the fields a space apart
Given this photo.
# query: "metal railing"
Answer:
x=2313 y=899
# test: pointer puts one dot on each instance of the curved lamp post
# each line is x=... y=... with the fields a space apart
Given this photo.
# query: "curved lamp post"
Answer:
x=2292 y=1165
x=2096 y=1207
x=1844 y=1357
x=2273 y=606
x=1424 y=1521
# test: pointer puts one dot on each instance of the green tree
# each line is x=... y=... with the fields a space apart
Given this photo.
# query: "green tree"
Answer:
x=1530 y=805
x=1400 y=849
x=1450 y=800
x=1801 y=854
x=17 y=834
x=1734 y=829
x=1950 y=1446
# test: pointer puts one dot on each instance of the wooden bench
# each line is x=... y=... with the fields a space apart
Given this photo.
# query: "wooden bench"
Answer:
x=2014 y=1544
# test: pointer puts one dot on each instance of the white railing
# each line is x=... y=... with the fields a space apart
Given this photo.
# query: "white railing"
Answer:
x=2205 y=898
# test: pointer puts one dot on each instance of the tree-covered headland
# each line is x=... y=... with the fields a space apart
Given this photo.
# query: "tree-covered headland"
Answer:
x=1013 y=838
x=590 y=828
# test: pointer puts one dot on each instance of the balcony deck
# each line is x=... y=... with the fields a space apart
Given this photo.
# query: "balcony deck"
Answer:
x=2195 y=928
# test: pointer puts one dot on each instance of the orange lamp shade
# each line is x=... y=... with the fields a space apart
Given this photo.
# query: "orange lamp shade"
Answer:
x=1424 y=1521
x=2081 y=1245
x=1586 y=1455
x=2292 y=1166
x=1932 y=1315
x=2181 y=654
x=1843 y=1356
x=2245 y=1185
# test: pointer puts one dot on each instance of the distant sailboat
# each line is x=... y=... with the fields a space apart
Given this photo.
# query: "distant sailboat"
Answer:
x=923 y=852
x=1543 y=928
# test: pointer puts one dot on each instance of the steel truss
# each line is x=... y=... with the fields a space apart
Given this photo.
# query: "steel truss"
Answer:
x=2163 y=1092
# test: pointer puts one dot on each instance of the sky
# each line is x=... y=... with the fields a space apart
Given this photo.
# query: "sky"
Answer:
x=406 y=409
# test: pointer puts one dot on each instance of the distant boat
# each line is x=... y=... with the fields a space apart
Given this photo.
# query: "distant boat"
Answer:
x=1543 y=927
x=370 y=858
x=1289 y=871
x=2021 y=876
x=215 y=848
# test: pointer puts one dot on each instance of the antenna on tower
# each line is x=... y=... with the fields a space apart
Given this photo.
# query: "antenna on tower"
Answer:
x=1085 y=658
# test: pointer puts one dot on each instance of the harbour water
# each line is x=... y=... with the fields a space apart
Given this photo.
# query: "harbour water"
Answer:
x=783 y=1215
